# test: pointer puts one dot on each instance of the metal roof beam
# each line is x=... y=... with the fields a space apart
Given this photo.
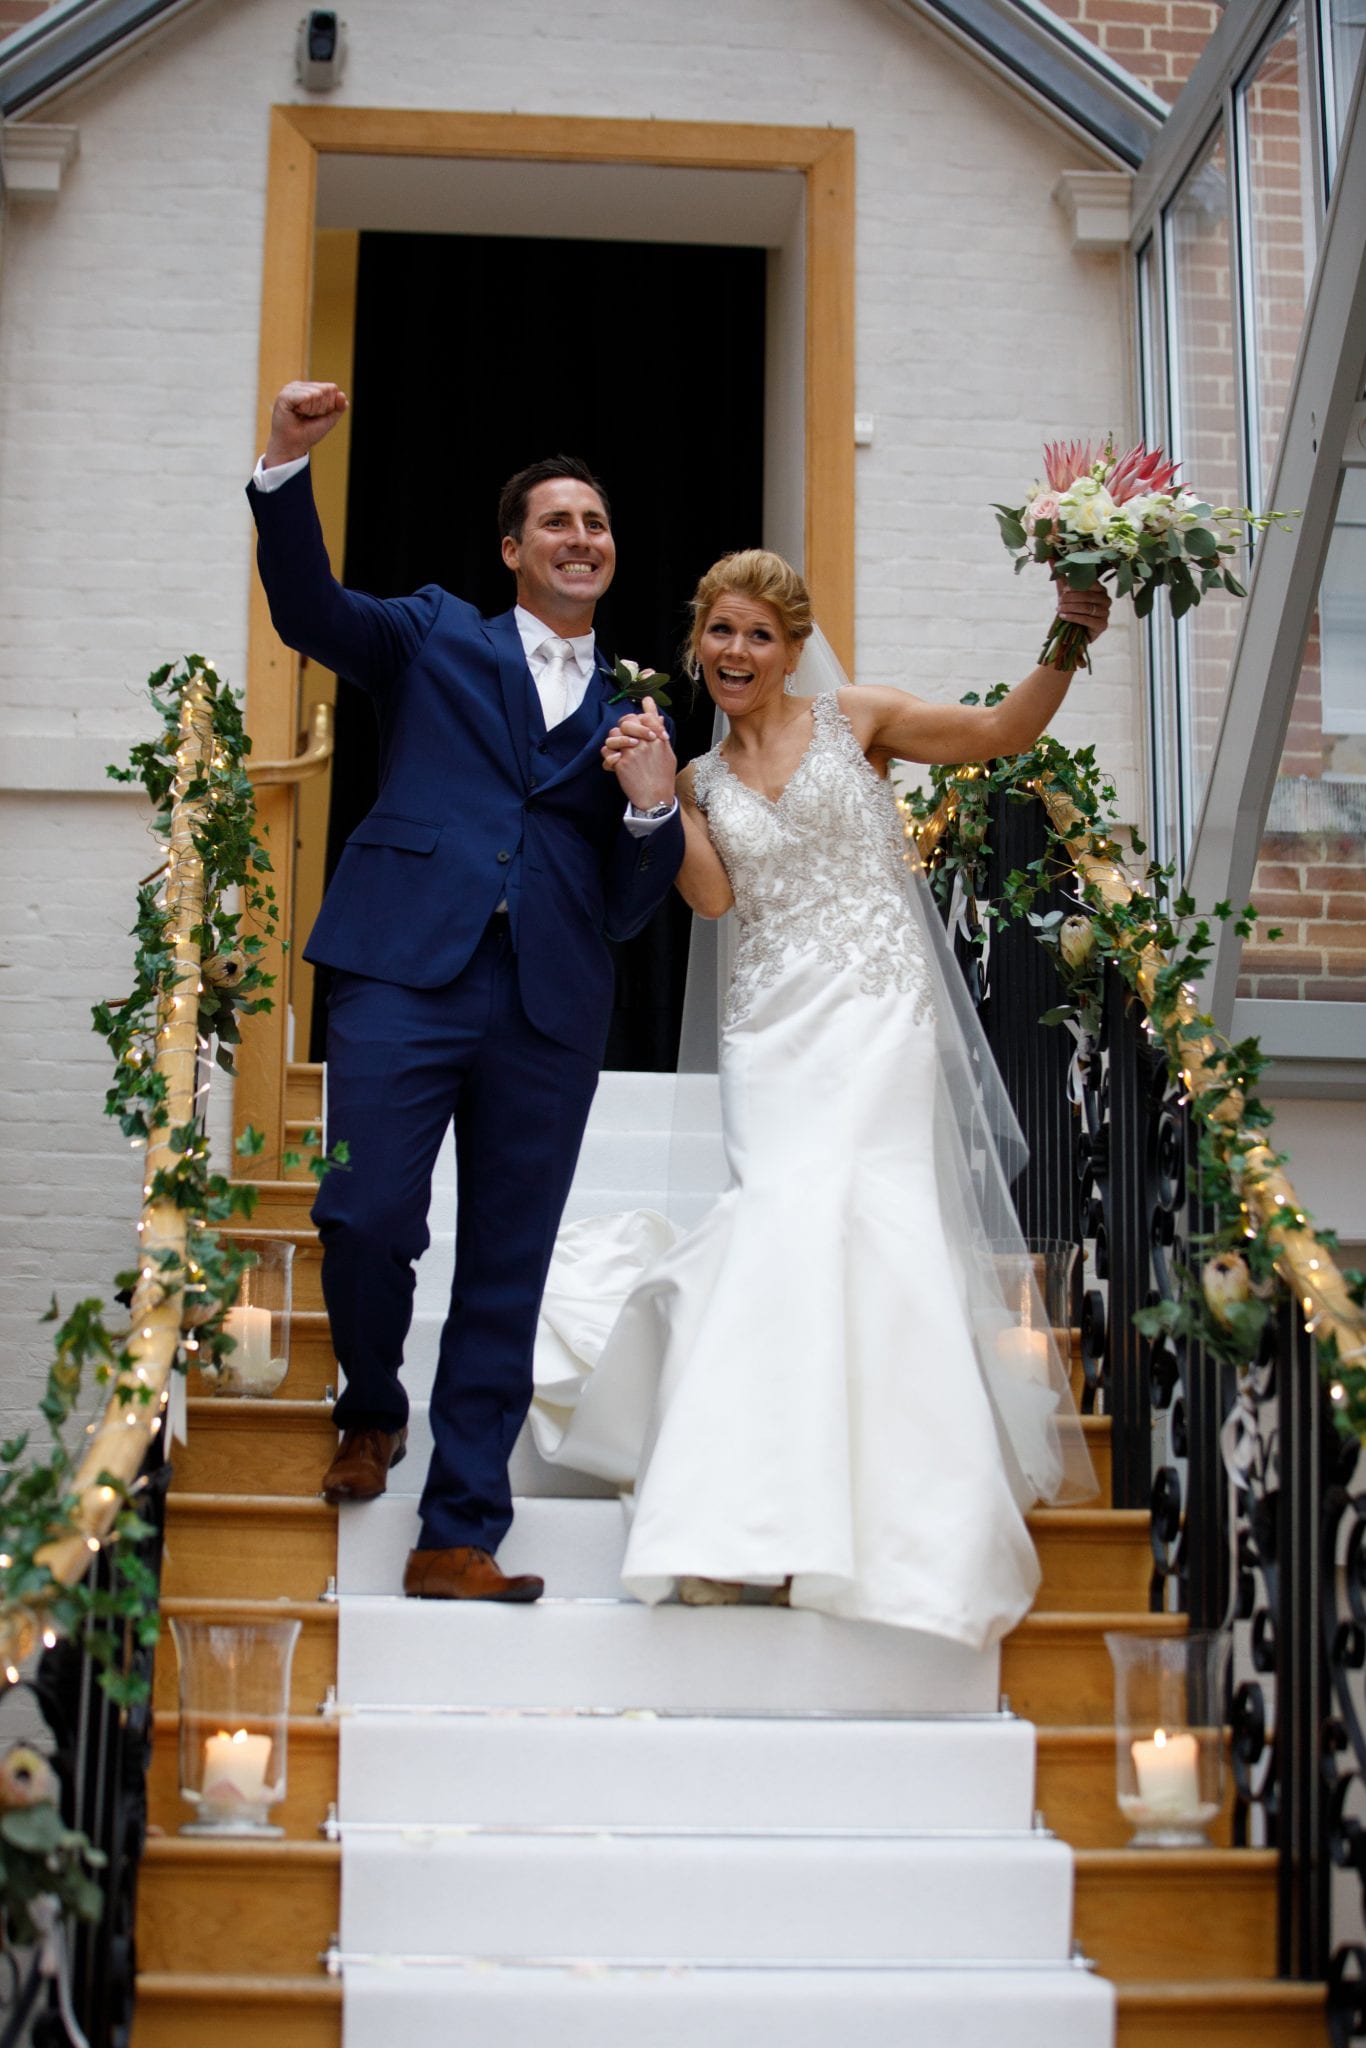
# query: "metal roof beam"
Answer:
x=1057 y=68
x=71 y=39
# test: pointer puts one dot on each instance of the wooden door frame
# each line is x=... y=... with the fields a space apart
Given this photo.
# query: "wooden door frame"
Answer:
x=298 y=136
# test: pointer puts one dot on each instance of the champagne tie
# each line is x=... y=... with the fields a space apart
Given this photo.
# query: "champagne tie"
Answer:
x=555 y=684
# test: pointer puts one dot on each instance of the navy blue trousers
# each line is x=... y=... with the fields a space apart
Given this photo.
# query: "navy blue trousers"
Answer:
x=401 y=1064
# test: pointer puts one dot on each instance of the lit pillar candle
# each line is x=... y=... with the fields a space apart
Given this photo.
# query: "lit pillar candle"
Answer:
x=235 y=1769
x=1168 y=1773
x=249 y=1329
x=1025 y=1352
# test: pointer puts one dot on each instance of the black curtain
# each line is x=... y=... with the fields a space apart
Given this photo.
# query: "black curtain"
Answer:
x=475 y=355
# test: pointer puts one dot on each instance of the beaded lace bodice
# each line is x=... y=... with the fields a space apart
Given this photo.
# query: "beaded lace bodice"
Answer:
x=819 y=871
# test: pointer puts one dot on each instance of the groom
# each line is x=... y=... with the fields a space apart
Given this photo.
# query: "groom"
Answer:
x=465 y=927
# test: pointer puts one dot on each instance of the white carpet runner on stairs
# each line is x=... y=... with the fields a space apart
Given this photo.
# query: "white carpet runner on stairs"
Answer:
x=598 y=1824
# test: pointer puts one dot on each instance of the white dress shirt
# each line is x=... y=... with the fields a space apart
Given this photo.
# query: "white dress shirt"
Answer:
x=533 y=633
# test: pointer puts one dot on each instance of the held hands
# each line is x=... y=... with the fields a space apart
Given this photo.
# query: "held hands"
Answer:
x=637 y=751
x=303 y=413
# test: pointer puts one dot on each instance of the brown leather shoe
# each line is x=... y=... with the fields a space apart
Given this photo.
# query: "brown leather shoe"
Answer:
x=361 y=1464
x=464 y=1573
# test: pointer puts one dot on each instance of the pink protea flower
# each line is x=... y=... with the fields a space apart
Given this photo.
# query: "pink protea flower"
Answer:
x=1129 y=476
x=1065 y=461
x=1140 y=471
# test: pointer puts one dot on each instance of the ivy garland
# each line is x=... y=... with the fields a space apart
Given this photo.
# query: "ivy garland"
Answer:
x=38 y=1505
x=1227 y=1303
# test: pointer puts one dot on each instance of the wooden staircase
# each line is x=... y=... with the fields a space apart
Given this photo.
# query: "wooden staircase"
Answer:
x=231 y=1935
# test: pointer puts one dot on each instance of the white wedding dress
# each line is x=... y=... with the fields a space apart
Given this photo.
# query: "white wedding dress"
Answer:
x=800 y=1385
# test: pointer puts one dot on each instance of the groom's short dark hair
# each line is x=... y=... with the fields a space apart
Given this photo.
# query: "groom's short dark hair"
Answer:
x=512 y=499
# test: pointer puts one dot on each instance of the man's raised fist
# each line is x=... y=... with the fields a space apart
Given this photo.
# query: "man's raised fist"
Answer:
x=302 y=414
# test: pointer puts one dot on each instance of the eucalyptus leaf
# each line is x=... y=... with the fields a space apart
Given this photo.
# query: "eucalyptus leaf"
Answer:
x=36 y=1828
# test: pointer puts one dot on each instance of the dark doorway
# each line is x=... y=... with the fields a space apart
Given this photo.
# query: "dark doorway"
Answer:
x=475 y=355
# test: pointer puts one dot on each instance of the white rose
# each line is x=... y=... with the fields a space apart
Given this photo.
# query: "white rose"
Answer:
x=1151 y=512
x=1087 y=508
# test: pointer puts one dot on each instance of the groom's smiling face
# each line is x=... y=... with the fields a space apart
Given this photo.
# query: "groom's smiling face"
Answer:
x=564 y=557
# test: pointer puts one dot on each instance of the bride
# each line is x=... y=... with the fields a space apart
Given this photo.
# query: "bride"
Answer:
x=809 y=1390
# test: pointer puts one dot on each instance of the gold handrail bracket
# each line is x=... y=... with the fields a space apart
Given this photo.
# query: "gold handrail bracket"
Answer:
x=316 y=754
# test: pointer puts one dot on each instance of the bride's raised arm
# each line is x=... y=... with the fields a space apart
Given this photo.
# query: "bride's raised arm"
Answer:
x=702 y=880
x=893 y=722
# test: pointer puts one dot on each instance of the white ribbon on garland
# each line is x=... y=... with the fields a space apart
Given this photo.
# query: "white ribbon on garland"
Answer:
x=54 y=1961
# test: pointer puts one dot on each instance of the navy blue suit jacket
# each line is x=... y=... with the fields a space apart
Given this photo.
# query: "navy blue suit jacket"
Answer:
x=475 y=802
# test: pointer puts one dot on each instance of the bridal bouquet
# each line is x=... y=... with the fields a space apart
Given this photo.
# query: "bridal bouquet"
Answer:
x=1099 y=514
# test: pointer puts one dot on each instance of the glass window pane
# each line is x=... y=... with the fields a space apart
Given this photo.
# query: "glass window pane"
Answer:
x=1311 y=871
x=1346 y=35
x=1205 y=432
x=1278 y=179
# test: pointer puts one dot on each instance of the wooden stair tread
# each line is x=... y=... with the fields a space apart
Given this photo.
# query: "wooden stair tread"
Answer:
x=232 y=1607
x=172 y=2003
x=319 y=1990
x=193 y=1852
x=1046 y=1622
x=1269 y=1993
x=1187 y=1864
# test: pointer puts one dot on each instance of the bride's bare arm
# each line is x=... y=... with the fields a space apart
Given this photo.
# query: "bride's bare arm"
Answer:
x=893 y=722
x=702 y=880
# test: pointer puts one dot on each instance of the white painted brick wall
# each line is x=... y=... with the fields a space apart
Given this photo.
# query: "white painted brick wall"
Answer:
x=128 y=335
x=68 y=1180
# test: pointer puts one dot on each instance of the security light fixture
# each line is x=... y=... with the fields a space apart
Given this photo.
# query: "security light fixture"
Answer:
x=320 y=51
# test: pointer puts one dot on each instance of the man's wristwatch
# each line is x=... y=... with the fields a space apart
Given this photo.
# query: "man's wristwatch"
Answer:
x=660 y=810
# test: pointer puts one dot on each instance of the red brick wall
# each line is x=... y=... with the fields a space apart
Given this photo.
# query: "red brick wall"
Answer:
x=1160 y=41
x=1310 y=883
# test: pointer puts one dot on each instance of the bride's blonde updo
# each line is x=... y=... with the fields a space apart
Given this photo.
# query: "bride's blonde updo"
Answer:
x=764 y=578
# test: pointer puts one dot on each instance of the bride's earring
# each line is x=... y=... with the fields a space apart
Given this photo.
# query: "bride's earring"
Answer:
x=789 y=689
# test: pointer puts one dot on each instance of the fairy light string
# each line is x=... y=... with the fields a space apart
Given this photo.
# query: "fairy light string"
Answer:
x=954 y=825
x=204 y=917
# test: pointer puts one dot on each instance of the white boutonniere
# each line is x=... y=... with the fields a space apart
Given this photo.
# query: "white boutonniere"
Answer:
x=636 y=683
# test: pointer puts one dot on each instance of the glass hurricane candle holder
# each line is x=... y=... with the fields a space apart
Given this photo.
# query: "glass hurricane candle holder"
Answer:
x=1169 y=1736
x=1054 y=1260
x=234 y=1722
x=1037 y=1291
x=259 y=1322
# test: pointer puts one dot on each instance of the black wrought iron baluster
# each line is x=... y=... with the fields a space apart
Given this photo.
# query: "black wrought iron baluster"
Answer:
x=102 y=1756
x=1342 y=1590
x=1135 y=1089
x=1034 y=1059
x=1284 y=1751
x=1307 y=1450
x=1093 y=1186
x=1208 y=1390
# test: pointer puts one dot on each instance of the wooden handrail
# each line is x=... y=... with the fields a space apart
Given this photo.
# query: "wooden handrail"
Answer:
x=140 y=1393
x=314 y=758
